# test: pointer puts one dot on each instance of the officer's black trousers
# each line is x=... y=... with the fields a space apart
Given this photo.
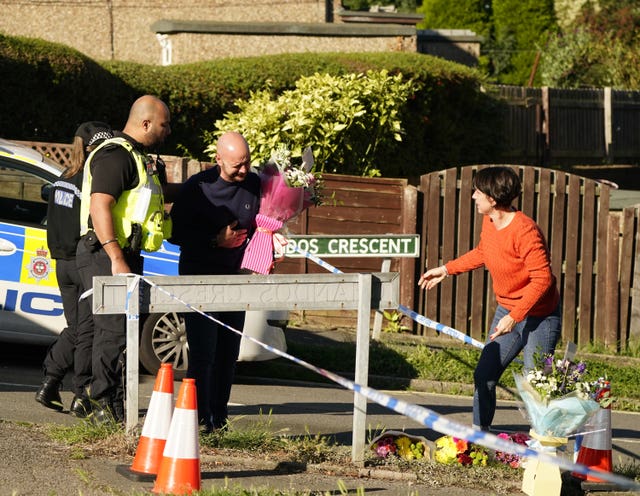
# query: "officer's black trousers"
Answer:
x=109 y=339
x=72 y=349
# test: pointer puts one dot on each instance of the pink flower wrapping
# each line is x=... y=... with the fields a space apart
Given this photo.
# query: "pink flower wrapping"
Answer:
x=279 y=203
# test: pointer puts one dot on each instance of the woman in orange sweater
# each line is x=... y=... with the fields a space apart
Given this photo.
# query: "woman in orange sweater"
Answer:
x=515 y=252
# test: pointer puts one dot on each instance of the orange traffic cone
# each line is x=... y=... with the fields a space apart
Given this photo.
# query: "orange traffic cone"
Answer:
x=179 y=471
x=155 y=429
x=595 y=450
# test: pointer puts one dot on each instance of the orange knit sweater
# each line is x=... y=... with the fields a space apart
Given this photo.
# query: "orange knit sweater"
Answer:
x=518 y=260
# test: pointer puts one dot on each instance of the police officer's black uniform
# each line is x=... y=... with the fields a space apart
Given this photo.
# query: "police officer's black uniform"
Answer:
x=72 y=349
x=113 y=171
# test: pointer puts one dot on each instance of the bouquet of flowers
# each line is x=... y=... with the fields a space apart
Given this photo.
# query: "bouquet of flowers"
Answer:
x=286 y=190
x=557 y=397
x=451 y=450
x=393 y=443
x=510 y=459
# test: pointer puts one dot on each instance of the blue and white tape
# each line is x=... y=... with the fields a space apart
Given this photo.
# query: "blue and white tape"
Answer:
x=424 y=416
x=421 y=319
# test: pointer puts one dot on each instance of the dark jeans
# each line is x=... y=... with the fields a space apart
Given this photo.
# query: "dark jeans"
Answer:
x=534 y=335
x=213 y=351
x=109 y=339
x=72 y=349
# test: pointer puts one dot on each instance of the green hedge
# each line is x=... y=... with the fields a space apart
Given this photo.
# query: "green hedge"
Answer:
x=48 y=89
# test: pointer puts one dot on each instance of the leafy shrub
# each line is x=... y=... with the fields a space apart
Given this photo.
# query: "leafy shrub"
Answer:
x=474 y=15
x=597 y=49
x=344 y=119
x=521 y=27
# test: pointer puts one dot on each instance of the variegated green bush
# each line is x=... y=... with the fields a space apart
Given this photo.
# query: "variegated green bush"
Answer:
x=346 y=120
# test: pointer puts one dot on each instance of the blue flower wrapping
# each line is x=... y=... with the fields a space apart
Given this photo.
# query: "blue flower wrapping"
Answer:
x=559 y=417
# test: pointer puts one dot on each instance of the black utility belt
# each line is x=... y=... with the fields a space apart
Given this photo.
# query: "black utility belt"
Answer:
x=91 y=241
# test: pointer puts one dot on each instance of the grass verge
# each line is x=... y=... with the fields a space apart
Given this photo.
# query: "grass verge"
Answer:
x=257 y=440
x=403 y=361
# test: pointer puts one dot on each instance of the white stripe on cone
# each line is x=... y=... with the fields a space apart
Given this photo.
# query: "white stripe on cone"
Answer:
x=601 y=439
x=156 y=426
x=183 y=441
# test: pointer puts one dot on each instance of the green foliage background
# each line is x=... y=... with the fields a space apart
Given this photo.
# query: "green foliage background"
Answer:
x=521 y=28
x=351 y=122
x=474 y=15
x=49 y=89
x=601 y=47
x=591 y=44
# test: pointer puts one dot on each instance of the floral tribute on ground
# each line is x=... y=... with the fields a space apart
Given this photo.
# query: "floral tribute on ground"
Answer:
x=454 y=451
x=451 y=450
x=395 y=444
x=558 y=397
x=448 y=450
x=514 y=461
x=287 y=188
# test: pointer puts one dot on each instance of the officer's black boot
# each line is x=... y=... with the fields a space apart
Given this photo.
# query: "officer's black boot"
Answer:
x=102 y=411
x=80 y=407
x=106 y=411
x=49 y=393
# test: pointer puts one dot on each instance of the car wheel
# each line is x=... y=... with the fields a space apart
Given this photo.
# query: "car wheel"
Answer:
x=164 y=339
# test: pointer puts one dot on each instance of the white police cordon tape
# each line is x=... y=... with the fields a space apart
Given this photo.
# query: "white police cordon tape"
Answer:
x=421 y=319
x=422 y=415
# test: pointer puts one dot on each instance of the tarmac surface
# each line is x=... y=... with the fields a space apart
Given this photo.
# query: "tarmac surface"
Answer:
x=289 y=406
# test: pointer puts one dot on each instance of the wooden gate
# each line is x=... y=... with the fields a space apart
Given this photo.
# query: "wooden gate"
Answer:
x=627 y=223
x=573 y=214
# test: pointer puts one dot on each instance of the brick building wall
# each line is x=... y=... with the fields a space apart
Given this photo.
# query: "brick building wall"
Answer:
x=161 y=31
x=121 y=29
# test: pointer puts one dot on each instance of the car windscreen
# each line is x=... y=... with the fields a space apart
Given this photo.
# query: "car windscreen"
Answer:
x=21 y=195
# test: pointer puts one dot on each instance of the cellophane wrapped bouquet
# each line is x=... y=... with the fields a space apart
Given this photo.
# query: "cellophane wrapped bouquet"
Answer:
x=398 y=444
x=557 y=397
x=286 y=190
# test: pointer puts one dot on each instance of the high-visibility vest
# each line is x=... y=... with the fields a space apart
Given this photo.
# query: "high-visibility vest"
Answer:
x=142 y=205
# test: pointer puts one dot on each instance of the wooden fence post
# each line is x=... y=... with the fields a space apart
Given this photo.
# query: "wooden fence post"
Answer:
x=546 y=127
x=608 y=125
x=611 y=332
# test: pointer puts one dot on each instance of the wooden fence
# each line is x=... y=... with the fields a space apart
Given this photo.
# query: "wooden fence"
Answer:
x=363 y=206
x=564 y=127
x=594 y=252
x=354 y=205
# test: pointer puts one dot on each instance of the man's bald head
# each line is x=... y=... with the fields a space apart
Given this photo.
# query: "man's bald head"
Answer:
x=149 y=121
x=233 y=156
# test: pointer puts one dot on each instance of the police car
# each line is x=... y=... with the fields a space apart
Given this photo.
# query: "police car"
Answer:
x=30 y=303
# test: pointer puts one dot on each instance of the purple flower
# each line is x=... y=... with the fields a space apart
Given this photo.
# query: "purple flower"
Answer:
x=547 y=365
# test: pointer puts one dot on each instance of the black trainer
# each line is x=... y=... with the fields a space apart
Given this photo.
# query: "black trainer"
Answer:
x=49 y=393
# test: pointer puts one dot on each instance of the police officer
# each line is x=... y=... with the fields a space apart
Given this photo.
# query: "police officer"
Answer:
x=122 y=212
x=72 y=349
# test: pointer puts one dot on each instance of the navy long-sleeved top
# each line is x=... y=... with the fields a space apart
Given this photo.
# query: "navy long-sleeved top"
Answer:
x=206 y=205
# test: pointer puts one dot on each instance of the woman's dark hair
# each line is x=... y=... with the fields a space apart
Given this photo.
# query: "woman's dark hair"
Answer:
x=500 y=183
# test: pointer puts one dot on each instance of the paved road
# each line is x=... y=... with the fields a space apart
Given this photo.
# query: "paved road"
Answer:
x=300 y=408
